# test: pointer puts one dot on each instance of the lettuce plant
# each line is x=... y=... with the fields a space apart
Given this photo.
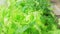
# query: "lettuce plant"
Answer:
x=27 y=17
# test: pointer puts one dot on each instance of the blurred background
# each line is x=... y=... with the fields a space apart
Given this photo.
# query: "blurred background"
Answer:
x=56 y=7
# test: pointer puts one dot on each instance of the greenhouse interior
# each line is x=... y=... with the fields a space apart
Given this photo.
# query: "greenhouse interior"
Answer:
x=29 y=16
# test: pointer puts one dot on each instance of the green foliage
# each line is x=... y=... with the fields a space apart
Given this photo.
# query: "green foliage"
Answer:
x=27 y=17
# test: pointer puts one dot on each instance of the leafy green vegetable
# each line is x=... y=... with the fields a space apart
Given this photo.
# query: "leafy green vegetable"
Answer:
x=27 y=17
